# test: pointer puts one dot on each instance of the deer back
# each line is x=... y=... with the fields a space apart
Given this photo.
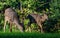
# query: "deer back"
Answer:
x=11 y=15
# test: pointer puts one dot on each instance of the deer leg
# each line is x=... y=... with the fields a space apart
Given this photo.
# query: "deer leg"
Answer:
x=5 y=25
x=10 y=27
x=41 y=28
x=19 y=27
x=15 y=28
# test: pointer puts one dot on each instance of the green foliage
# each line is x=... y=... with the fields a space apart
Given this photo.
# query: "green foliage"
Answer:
x=35 y=6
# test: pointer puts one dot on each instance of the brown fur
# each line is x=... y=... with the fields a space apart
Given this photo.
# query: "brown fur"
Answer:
x=37 y=19
x=12 y=17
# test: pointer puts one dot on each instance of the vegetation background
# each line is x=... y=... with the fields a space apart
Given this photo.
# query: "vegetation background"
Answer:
x=34 y=6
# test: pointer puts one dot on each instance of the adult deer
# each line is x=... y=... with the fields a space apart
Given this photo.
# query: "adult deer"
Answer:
x=36 y=18
x=12 y=17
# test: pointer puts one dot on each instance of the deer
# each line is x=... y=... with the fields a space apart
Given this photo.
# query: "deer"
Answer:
x=38 y=19
x=11 y=17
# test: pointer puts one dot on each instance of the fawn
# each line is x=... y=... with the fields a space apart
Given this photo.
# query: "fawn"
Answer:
x=12 y=17
x=39 y=19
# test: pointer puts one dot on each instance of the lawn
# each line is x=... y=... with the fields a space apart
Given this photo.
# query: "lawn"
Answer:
x=29 y=35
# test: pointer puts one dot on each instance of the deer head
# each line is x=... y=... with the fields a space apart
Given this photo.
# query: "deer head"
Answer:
x=45 y=16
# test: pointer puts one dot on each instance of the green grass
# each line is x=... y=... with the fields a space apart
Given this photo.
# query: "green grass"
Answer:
x=29 y=35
